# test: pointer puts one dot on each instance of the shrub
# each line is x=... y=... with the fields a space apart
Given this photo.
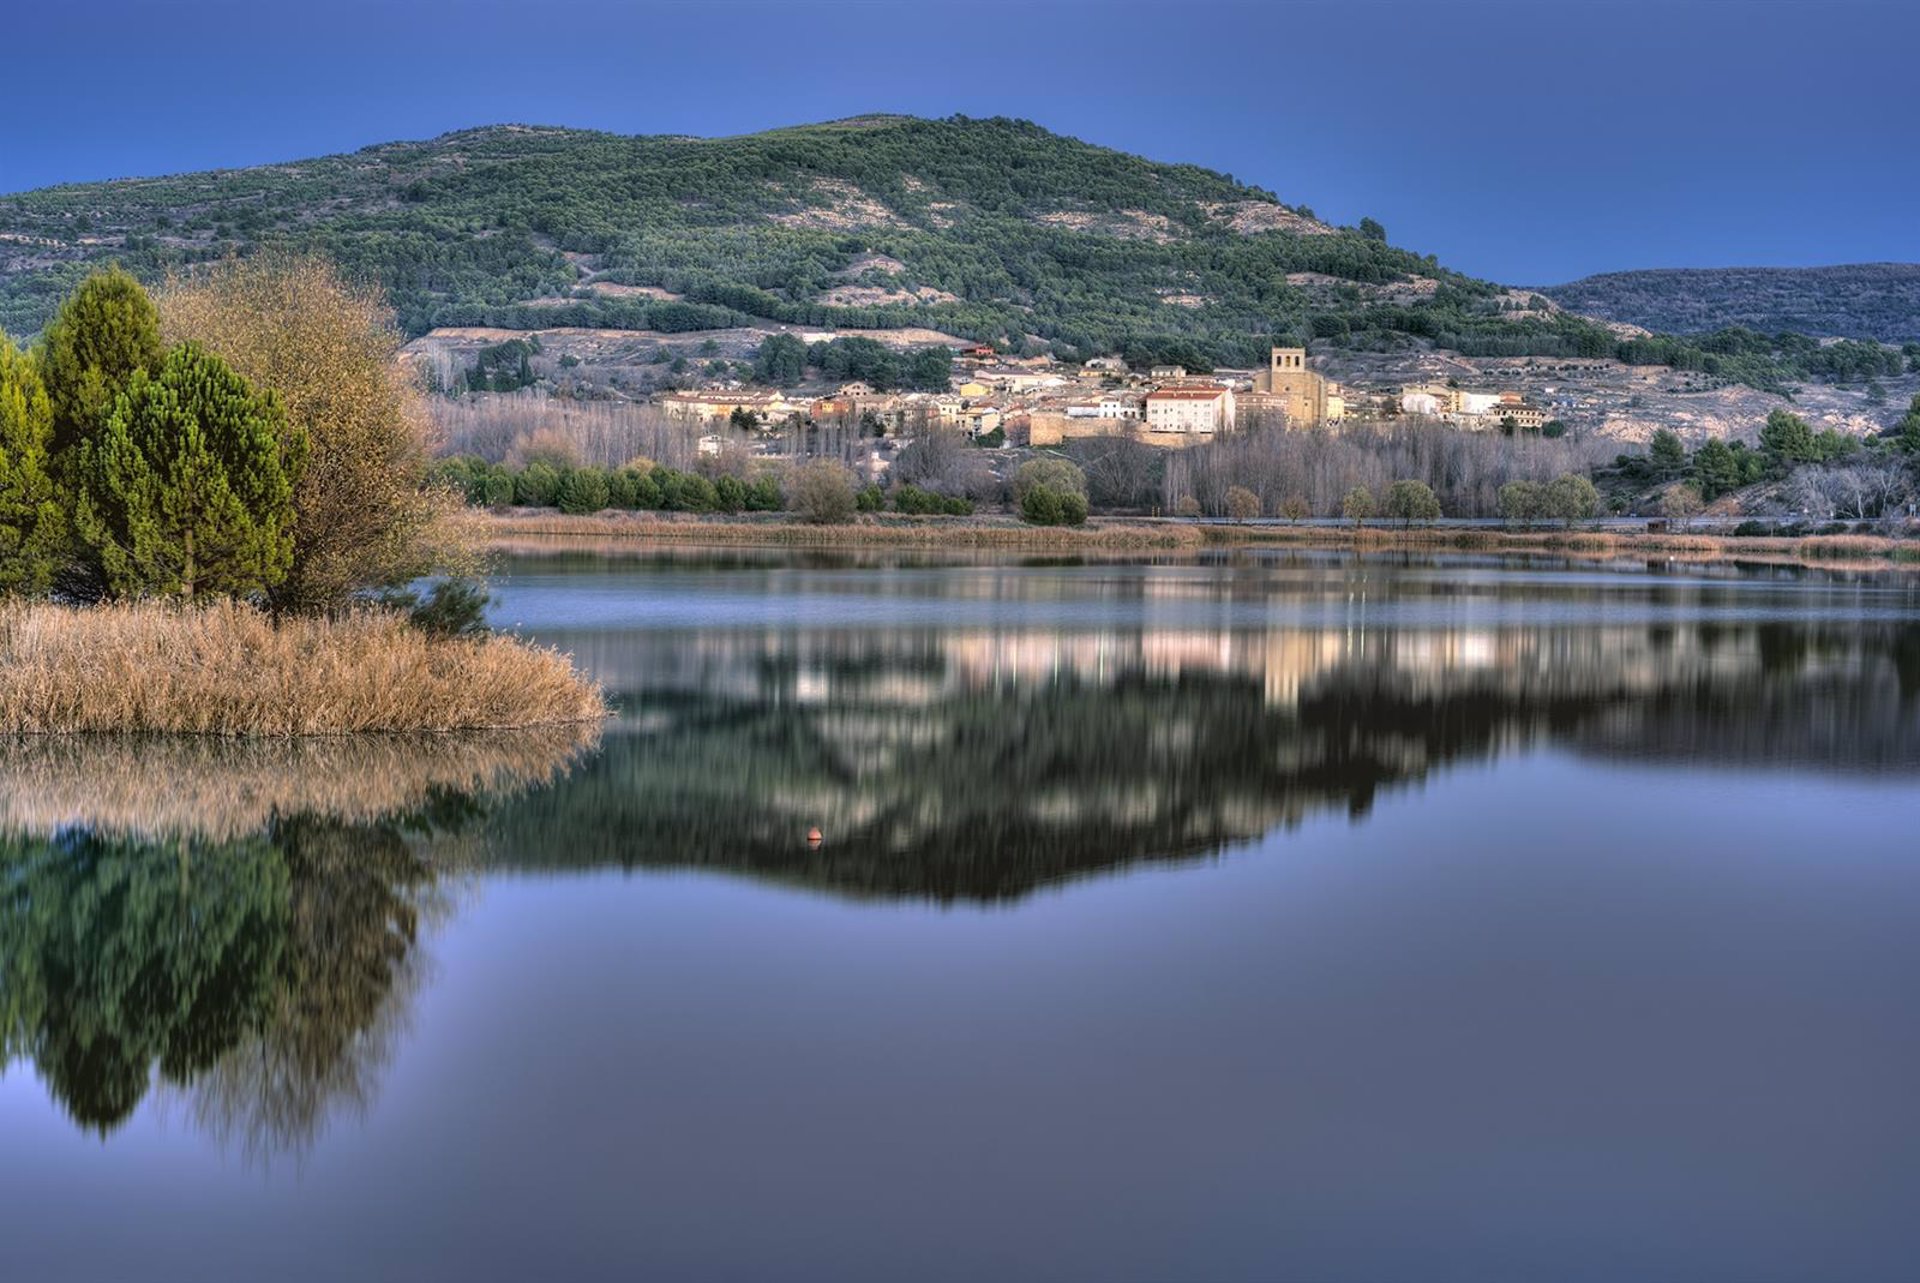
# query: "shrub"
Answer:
x=537 y=485
x=1357 y=506
x=449 y=608
x=1412 y=501
x=1571 y=498
x=929 y=503
x=763 y=495
x=684 y=491
x=730 y=494
x=465 y=473
x=823 y=492
x=498 y=492
x=1242 y=503
x=1046 y=506
x=621 y=487
x=1522 y=501
x=1680 y=502
x=581 y=490
x=646 y=490
x=871 y=499
x=1041 y=506
x=1051 y=471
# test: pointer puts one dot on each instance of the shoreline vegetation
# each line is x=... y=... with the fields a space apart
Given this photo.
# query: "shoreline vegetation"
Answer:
x=216 y=510
x=534 y=531
x=231 y=669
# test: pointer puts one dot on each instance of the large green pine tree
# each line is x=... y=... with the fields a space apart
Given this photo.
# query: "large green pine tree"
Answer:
x=188 y=490
x=1788 y=439
x=106 y=331
x=33 y=524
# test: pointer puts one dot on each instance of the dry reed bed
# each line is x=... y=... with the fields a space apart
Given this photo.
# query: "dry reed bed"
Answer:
x=223 y=789
x=524 y=532
x=1858 y=551
x=233 y=670
x=885 y=532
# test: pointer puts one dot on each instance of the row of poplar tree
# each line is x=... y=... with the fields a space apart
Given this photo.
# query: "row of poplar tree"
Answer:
x=250 y=435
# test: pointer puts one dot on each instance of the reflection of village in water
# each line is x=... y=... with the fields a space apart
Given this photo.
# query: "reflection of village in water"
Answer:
x=981 y=764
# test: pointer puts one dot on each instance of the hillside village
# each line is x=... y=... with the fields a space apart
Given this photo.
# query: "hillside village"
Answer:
x=707 y=379
x=1040 y=401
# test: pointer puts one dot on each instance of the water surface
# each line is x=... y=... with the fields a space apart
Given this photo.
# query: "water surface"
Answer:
x=1257 y=917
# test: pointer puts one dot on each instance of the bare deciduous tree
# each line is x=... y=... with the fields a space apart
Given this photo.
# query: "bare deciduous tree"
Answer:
x=1464 y=469
x=1855 y=492
x=602 y=434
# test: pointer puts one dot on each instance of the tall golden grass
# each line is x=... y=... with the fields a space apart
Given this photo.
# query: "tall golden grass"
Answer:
x=231 y=669
x=221 y=789
x=1863 y=551
x=1845 y=547
x=880 y=532
x=522 y=532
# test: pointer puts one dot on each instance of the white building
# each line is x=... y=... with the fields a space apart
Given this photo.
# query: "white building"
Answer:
x=1107 y=407
x=1190 y=410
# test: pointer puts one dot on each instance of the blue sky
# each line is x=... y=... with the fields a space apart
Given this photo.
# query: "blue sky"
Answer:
x=1527 y=140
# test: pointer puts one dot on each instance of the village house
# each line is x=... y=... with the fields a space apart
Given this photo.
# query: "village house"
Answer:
x=978 y=420
x=1527 y=418
x=1191 y=411
x=1018 y=380
x=1468 y=409
x=1106 y=407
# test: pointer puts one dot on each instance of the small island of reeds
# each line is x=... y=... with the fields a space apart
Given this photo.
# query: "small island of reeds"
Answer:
x=214 y=513
x=232 y=669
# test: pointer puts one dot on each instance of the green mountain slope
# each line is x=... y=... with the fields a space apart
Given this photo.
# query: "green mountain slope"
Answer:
x=1856 y=300
x=995 y=230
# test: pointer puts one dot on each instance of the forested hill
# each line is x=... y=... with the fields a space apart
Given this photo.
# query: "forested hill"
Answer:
x=1858 y=300
x=993 y=230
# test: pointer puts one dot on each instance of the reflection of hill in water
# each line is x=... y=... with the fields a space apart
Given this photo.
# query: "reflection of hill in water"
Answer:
x=243 y=922
x=239 y=920
x=979 y=767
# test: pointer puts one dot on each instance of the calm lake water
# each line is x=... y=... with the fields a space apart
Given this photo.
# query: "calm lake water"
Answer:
x=1259 y=918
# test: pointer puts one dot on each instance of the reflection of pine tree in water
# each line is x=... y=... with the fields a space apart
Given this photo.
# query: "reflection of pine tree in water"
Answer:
x=120 y=956
x=260 y=967
x=346 y=978
x=261 y=978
